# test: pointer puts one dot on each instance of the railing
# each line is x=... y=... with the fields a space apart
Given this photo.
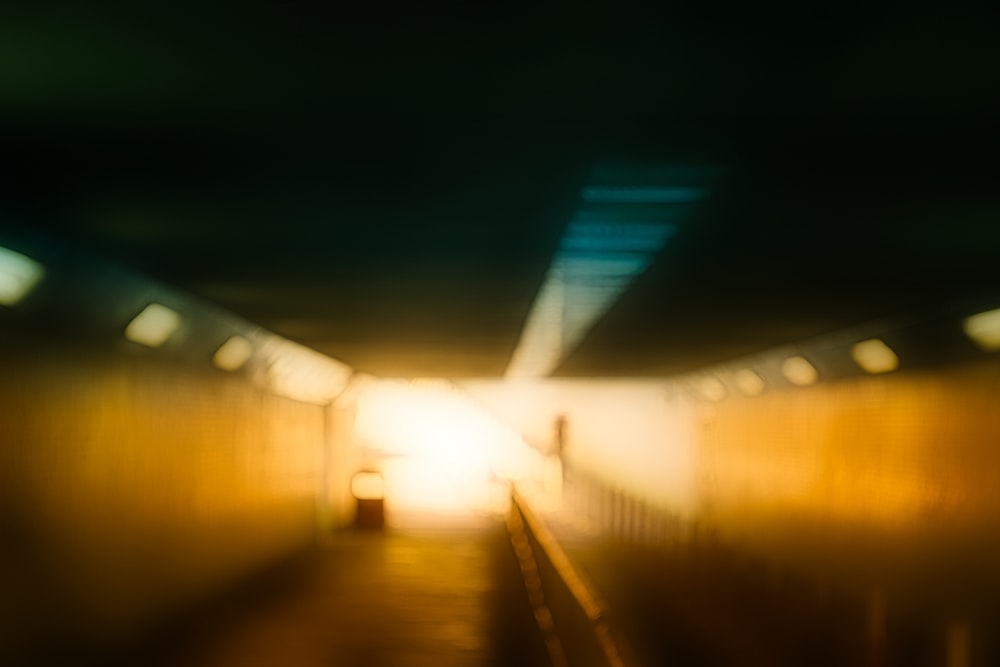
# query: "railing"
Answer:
x=571 y=617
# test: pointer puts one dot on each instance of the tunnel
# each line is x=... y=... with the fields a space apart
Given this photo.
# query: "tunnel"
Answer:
x=548 y=338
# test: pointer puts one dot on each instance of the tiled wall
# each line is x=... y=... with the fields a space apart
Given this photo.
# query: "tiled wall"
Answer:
x=888 y=477
x=132 y=486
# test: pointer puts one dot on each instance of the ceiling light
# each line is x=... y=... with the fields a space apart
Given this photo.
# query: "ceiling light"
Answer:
x=233 y=354
x=984 y=328
x=18 y=276
x=368 y=486
x=642 y=194
x=749 y=382
x=153 y=325
x=874 y=356
x=711 y=388
x=799 y=371
x=302 y=374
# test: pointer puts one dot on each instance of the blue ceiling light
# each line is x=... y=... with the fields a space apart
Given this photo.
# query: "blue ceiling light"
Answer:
x=611 y=239
x=609 y=236
x=642 y=194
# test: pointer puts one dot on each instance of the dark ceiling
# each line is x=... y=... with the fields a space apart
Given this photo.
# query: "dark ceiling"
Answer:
x=390 y=190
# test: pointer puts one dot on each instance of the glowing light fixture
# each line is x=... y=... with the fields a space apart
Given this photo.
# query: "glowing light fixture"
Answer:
x=749 y=382
x=799 y=371
x=233 y=354
x=711 y=388
x=368 y=485
x=984 y=328
x=18 y=276
x=626 y=216
x=153 y=325
x=642 y=194
x=874 y=356
x=300 y=373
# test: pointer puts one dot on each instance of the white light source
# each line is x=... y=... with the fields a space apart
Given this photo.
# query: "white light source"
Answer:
x=153 y=325
x=799 y=371
x=368 y=486
x=749 y=382
x=874 y=356
x=18 y=276
x=233 y=354
x=302 y=374
x=984 y=328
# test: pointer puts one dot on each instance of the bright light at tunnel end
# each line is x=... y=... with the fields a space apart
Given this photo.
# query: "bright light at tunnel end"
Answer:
x=439 y=450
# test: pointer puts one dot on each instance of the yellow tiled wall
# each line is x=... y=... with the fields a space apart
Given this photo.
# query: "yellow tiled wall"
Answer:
x=130 y=487
x=886 y=477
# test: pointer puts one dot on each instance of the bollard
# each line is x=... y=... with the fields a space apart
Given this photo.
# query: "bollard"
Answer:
x=875 y=627
x=959 y=645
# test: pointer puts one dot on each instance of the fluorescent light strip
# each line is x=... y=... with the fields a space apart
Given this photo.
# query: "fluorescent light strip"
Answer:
x=153 y=326
x=589 y=237
x=587 y=268
x=600 y=254
x=18 y=276
x=622 y=194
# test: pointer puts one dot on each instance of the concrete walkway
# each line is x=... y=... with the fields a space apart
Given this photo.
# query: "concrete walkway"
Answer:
x=443 y=592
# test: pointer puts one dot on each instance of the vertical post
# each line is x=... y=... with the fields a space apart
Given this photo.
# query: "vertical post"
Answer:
x=323 y=510
x=959 y=645
x=875 y=627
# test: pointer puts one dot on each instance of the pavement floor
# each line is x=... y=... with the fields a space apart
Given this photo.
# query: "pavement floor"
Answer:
x=442 y=591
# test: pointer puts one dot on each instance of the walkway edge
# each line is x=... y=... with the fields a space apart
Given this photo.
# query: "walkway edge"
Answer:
x=582 y=594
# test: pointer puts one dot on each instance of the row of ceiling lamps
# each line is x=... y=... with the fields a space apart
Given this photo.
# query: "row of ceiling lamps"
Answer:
x=292 y=370
x=873 y=356
x=20 y=274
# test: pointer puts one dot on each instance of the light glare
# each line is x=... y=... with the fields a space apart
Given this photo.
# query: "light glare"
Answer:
x=18 y=276
x=711 y=388
x=749 y=382
x=874 y=356
x=799 y=371
x=153 y=325
x=368 y=486
x=984 y=328
x=233 y=354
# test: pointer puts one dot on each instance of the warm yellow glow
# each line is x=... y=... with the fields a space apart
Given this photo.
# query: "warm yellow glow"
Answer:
x=439 y=448
x=749 y=382
x=984 y=328
x=153 y=325
x=18 y=276
x=874 y=356
x=711 y=388
x=368 y=486
x=799 y=371
x=233 y=354
x=302 y=374
x=630 y=433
